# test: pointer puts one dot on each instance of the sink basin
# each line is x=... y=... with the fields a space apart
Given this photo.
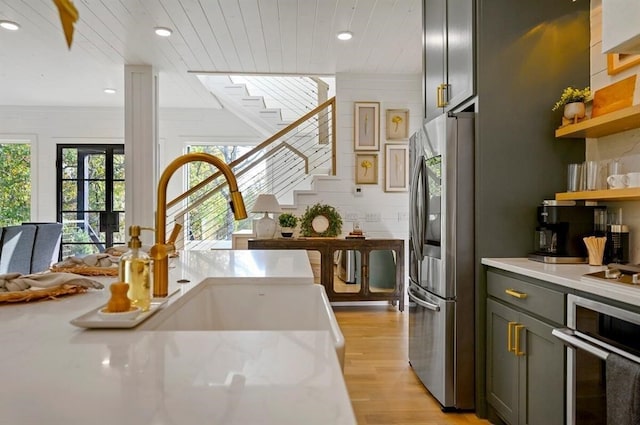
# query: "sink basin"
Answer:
x=244 y=306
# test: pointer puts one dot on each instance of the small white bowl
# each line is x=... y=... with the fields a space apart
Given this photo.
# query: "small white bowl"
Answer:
x=125 y=315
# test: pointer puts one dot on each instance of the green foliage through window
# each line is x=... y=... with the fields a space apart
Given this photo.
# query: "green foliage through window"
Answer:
x=213 y=219
x=15 y=182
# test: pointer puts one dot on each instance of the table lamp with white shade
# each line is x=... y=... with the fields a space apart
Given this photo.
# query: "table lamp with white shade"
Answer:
x=266 y=226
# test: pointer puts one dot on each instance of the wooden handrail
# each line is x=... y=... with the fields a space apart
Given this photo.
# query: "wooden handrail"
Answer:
x=331 y=102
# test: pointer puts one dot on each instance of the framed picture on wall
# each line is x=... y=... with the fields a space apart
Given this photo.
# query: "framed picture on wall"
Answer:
x=618 y=62
x=396 y=177
x=397 y=124
x=366 y=126
x=366 y=168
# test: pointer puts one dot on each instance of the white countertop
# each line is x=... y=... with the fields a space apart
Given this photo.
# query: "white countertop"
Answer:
x=55 y=373
x=570 y=276
x=271 y=266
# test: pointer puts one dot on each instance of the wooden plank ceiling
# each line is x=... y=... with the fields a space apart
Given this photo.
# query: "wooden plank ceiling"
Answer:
x=227 y=36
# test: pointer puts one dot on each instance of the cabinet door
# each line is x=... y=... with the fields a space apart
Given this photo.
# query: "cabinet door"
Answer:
x=541 y=374
x=459 y=62
x=434 y=15
x=502 y=364
x=448 y=54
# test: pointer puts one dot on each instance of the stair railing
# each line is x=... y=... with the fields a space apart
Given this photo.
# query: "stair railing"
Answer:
x=288 y=157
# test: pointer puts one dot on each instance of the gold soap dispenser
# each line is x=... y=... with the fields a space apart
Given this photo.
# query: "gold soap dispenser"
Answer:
x=135 y=269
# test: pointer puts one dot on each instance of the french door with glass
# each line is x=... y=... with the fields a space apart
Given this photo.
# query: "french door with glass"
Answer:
x=90 y=197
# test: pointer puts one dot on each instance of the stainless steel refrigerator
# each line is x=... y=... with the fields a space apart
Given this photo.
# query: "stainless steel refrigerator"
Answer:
x=441 y=259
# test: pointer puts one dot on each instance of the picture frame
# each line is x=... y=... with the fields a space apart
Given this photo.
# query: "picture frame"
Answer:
x=618 y=62
x=396 y=168
x=397 y=124
x=366 y=125
x=367 y=168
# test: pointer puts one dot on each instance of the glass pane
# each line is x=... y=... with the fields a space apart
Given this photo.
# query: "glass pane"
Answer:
x=315 y=259
x=382 y=271
x=96 y=196
x=15 y=183
x=346 y=271
x=87 y=224
x=118 y=196
x=74 y=228
x=434 y=199
x=94 y=228
x=121 y=236
x=75 y=237
x=69 y=164
x=96 y=166
x=69 y=196
x=118 y=167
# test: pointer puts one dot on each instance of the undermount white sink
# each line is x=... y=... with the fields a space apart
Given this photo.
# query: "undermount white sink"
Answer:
x=213 y=306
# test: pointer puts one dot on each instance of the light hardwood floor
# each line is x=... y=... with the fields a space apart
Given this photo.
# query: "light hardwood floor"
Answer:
x=382 y=387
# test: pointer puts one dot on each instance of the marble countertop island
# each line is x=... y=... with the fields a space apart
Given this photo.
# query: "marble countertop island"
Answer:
x=55 y=373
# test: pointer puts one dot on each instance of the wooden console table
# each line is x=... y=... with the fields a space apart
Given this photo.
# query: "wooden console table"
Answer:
x=327 y=247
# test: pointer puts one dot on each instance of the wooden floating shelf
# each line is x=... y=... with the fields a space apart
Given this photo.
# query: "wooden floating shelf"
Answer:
x=604 y=125
x=627 y=194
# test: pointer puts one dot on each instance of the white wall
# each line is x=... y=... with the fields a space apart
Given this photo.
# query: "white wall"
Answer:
x=624 y=146
x=381 y=214
x=48 y=126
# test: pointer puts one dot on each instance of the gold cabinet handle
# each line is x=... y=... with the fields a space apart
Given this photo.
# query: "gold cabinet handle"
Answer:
x=510 y=326
x=441 y=100
x=517 y=351
x=514 y=293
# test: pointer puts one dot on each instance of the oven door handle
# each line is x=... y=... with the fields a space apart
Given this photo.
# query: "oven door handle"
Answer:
x=591 y=345
x=567 y=336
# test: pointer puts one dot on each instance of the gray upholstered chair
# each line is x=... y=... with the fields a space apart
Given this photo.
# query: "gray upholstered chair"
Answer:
x=17 y=248
x=46 y=247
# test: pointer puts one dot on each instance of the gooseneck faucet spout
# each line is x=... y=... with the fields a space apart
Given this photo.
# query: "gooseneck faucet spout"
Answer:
x=159 y=251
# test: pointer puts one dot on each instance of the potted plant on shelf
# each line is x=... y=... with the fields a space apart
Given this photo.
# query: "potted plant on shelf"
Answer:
x=288 y=223
x=572 y=100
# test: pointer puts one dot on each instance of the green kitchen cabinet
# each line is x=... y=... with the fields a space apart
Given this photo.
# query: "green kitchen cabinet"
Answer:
x=521 y=66
x=447 y=54
x=525 y=362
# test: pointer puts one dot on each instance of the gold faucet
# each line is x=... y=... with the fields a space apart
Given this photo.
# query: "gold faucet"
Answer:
x=160 y=250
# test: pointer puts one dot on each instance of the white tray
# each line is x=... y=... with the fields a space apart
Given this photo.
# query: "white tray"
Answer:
x=92 y=320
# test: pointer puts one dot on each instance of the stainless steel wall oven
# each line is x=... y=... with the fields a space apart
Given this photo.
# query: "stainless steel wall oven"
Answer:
x=594 y=331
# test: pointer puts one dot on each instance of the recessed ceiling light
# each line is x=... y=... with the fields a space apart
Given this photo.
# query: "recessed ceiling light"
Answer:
x=109 y=91
x=163 y=31
x=9 y=25
x=345 y=35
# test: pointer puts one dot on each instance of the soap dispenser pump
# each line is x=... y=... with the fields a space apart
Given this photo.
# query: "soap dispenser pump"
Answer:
x=134 y=269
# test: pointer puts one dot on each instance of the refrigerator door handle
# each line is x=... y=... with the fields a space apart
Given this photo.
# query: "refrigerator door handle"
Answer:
x=417 y=238
x=413 y=297
x=424 y=179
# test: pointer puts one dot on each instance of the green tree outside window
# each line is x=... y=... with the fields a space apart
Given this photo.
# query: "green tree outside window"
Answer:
x=15 y=181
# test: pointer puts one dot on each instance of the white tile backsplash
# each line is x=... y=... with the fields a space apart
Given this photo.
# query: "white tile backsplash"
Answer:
x=624 y=146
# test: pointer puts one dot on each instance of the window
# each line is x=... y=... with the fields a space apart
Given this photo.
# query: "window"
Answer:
x=15 y=182
x=212 y=219
x=91 y=195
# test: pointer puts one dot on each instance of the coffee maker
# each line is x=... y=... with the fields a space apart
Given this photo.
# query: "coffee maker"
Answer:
x=561 y=227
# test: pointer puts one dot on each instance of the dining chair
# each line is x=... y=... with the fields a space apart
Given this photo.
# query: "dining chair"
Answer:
x=17 y=248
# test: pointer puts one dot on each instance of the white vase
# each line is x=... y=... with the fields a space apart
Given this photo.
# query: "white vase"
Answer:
x=574 y=110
